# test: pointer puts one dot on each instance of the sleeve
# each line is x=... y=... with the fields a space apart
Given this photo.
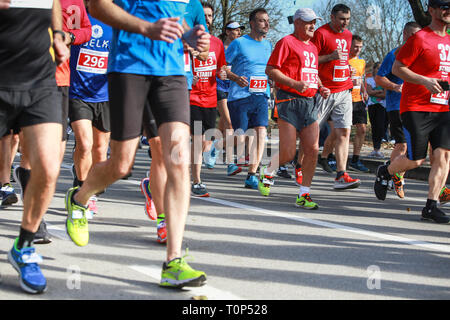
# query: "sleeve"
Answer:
x=221 y=61
x=77 y=22
x=279 y=54
x=200 y=15
x=231 y=52
x=386 y=66
x=410 y=50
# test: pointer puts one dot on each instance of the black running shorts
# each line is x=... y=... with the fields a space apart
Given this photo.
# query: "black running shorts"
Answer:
x=396 y=126
x=167 y=97
x=96 y=112
x=359 y=113
x=202 y=118
x=22 y=108
x=423 y=127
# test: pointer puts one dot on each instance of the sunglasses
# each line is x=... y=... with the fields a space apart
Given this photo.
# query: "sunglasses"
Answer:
x=442 y=6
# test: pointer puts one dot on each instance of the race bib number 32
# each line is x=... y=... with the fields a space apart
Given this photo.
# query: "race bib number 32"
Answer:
x=258 y=84
x=92 y=61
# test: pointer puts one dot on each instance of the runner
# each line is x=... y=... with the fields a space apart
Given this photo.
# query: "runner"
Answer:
x=88 y=102
x=29 y=100
x=249 y=90
x=393 y=85
x=359 y=98
x=293 y=65
x=156 y=77
x=423 y=63
x=203 y=100
x=333 y=42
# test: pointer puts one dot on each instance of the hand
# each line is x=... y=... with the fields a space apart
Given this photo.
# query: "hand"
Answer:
x=197 y=38
x=352 y=72
x=398 y=88
x=223 y=73
x=366 y=96
x=432 y=85
x=4 y=4
x=301 y=86
x=242 y=81
x=337 y=55
x=165 y=29
x=62 y=52
x=195 y=80
x=324 y=92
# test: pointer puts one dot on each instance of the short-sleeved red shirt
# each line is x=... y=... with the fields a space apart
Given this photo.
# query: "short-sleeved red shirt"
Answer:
x=297 y=60
x=335 y=74
x=428 y=54
x=204 y=94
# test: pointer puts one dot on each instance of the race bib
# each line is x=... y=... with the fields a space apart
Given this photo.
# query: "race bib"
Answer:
x=311 y=76
x=258 y=84
x=92 y=61
x=341 y=73
x=187 y=61
x=37 y=4
x=209 y=65
x=440 y=98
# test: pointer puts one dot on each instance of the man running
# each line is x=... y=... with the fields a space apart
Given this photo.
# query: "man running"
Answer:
x=393 y=85
x=423 y=63
x=147 y=34
x=333 y=42
x=29 y=100
x=293 y=65
x=249 y=90
x=359 y=98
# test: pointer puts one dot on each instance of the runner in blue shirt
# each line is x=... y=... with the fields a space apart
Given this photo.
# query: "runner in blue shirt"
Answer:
x=249 y=90
x=146 y=68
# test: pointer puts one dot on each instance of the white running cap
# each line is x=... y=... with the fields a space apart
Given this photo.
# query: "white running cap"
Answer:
x=306 y=14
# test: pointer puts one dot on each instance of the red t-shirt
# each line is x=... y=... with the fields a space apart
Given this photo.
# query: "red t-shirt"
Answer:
x=335 y=74
x=298 y=61
x=75 y=20
x=427 y=54
x=204 y=92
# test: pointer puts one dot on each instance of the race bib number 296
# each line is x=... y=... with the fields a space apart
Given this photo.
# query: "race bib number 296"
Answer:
x=92 y=61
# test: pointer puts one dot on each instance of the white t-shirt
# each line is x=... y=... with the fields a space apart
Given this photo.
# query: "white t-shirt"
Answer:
x=374 y=100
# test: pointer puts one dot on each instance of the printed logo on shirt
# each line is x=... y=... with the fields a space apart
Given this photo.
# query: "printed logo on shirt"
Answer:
x=97 y=31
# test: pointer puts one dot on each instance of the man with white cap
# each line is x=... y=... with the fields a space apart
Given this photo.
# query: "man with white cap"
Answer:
x=293 y=66
x=333 y=41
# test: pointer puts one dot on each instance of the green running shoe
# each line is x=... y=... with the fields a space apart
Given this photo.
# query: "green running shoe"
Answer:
x=305 y=202
x=76 y=223
x=178 y=274
x=265 y=181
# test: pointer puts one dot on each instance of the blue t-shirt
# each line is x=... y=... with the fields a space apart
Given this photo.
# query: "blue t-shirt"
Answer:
x=88 y=65
x=133 y=53
x=392 y=97
x=194 y=15
x=248 y=58
x=223 y=85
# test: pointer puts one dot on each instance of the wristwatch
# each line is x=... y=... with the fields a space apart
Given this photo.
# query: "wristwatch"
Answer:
x=72 y=37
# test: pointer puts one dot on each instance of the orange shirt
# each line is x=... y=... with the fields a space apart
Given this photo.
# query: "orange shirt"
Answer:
x=358 y=80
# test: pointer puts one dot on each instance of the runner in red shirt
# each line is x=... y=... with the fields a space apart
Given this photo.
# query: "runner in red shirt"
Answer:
x=203 y=100
x=293 y=66
x=333 y=42
x=424 y=64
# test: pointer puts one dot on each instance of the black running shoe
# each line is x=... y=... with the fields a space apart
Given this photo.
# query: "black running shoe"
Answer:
x=324 y=164
x=381 y=182
x=283 y=172
x=42 y=236
x=435 y=214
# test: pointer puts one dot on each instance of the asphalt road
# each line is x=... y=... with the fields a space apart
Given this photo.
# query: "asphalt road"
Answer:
x=251 y=247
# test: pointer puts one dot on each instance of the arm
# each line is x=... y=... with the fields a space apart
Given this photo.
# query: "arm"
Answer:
x=403 y=72
x=4 y=4
x=277 y=76
x=387 y=84
x=62 y=53
x=240 y=80
x=83 y=32
x=335 y=55
x=166 y=29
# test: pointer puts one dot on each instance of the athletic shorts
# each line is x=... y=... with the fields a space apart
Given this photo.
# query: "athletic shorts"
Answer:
x=359 y=113
x=299 y=111
x=202 y=118
x=151 y=130
x=96 y=112
x=250 y=112
x=423 y=127
x=22 y=108
x=65 y=110
x=396 y=126
x=131 y=96
x=221 y=95
x=339 y=107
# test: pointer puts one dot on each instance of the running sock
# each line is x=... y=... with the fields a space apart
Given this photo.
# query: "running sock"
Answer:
x=355 y=158
x=431 y=204
x=25 y=238
x=250 y=174
x=76 y=202
x=340 y=174
x=304 y=190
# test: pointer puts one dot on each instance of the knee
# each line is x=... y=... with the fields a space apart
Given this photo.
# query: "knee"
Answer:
x=84 y=146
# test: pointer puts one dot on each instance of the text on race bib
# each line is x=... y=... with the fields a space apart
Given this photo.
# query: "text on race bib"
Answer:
x=92 y=61
x=258 y=84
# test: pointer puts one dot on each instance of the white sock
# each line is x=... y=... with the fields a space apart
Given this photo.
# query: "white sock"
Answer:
x=304 y=190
